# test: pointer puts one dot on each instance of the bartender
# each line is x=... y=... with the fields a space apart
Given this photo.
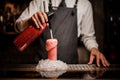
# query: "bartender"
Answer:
x=71 y=19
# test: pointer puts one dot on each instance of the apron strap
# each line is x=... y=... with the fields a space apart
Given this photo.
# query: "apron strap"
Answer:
x=50 y=2
x=50 y=6
x=76 y=4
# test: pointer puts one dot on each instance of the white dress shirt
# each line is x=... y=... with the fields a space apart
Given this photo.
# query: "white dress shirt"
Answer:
x=84 y=18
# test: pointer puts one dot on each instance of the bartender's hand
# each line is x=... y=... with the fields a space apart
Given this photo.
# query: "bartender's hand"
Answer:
x=39 y=18
x=100 y=58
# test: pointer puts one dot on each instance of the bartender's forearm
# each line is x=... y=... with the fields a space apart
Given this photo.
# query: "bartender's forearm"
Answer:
x=20 y=25
x=90 y=43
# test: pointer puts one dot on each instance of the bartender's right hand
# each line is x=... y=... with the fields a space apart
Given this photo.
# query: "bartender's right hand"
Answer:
x=39 y=18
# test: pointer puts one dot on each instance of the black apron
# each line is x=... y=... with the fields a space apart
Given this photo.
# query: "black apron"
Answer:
x=64 y=27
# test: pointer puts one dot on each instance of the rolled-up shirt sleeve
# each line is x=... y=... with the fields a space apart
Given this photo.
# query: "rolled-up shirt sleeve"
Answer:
x=87 y=28
x=23 y=21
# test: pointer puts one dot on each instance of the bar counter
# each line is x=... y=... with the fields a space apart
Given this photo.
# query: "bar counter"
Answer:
x=74 y=72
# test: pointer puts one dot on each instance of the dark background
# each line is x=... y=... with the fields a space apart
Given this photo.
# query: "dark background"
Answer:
x=107 y=26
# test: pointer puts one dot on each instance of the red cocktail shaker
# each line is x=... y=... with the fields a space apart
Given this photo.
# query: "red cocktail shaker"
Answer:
x=25 y=38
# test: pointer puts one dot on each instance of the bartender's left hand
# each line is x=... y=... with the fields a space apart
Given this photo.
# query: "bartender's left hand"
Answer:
x=100 y=58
